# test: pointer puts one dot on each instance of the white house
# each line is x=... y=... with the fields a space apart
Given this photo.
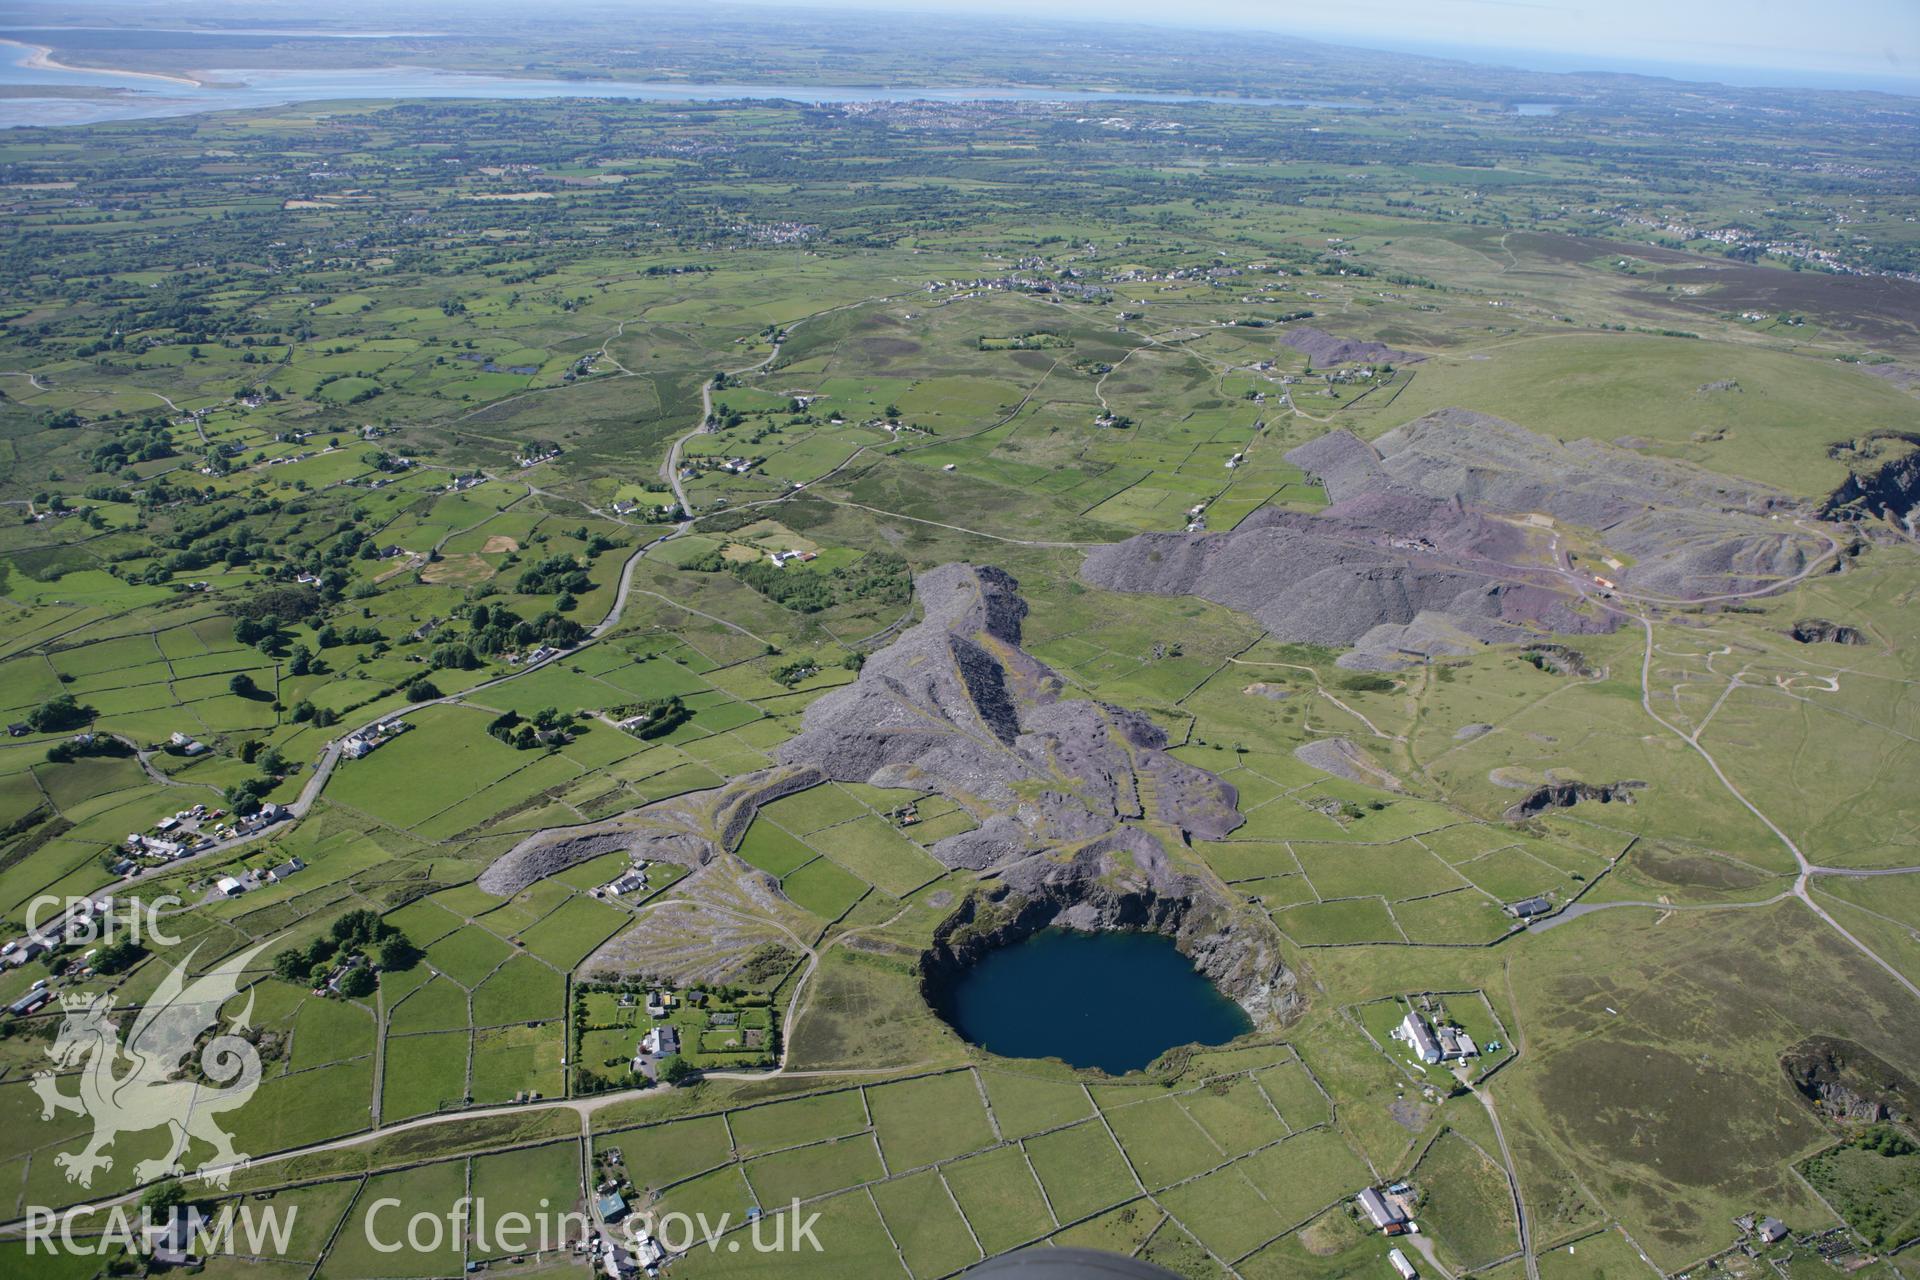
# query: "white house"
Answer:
x=1413 y=1029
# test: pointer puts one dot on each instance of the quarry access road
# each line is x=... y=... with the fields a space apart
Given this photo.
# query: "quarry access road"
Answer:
x=1806 y=865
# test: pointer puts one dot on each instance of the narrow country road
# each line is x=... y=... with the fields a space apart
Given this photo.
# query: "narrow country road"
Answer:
x=1513 y=1183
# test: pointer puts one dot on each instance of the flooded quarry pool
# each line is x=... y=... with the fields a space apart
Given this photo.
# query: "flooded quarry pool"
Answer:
x=1112 y=1000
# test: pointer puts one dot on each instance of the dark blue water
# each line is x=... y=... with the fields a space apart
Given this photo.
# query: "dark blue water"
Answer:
x=1115 y=1001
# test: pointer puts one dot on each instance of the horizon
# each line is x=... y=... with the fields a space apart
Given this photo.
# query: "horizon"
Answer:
x=1859 y=45
x=1890 y=64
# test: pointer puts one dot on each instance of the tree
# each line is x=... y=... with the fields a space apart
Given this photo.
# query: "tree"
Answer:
x=398 y=953
x=161 y=1199
x=242 y=685
x=422 y=690
x=358 y=983
x=60 y=712
x=359 y=926
x=116 y=957
x=676 y=1070
x=292 y=966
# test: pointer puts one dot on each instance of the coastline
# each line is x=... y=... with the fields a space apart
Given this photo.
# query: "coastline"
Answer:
x=40 y=58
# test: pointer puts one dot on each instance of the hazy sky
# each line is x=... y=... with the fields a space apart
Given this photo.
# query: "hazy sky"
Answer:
x=1879 y=39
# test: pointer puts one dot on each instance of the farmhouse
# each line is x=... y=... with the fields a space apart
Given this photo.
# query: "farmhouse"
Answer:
x=633 y=879
x=1384 y=1216
x=1771 y=1230
x=1414 y=1030
x=362 y=742
x=137 y=843
x=1435 y=1044
x=660 y=1042
x=1528 y=908
x=172 y=1244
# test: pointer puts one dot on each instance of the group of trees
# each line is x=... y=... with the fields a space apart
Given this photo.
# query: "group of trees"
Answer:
x=94 y=744
x=245 y=797
x=496 y=629
x=547 y=727
x=142 y=440
x=58 y=714
x=555 y=575
x=662 y=716
x=359 y=938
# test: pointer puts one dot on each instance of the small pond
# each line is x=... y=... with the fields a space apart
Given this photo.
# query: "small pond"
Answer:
x=1115 y=1001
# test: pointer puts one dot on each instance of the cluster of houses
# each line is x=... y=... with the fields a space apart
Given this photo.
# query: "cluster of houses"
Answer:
x=363 y=742
x=628 y=506
x=186 y=832
x=254 y=878
x=534 y=458
x=538 y=655
x=185 y=744
x=641 y=1252
x=1435 y=1044
x=1066 y=288
x=72 y=923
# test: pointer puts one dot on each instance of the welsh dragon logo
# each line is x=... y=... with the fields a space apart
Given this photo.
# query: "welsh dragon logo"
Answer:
x=152 y=1093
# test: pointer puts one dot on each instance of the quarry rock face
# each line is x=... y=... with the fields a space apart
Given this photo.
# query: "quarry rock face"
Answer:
x=1889 y=492
x=1234 y=947
x=956 y=706
x=1564 y=795
x=1821 y=631
x=1425 y=549
x=1074 y=797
